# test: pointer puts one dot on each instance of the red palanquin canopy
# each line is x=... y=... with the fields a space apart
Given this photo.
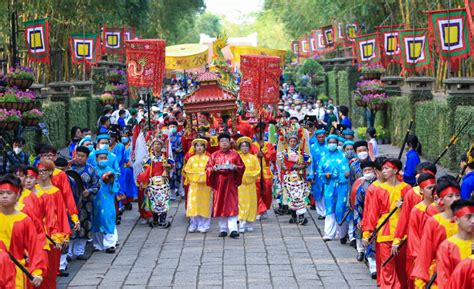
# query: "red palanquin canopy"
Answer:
x=210 y=96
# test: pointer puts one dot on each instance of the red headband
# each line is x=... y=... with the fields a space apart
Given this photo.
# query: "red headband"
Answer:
x=464 y=211
x=41 y=166
x=9 y=187
x=391 y=165
x=448 y=190
x=427 y=182
x=427 y=171
x=32 y=173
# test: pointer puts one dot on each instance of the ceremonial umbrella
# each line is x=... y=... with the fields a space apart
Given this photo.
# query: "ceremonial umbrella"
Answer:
x=237 y=51
x=186 y=56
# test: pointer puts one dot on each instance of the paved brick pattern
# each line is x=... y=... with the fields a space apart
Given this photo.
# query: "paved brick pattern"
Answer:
x=275 y=255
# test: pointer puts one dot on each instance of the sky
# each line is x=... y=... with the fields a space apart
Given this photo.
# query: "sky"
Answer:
x=235 y=10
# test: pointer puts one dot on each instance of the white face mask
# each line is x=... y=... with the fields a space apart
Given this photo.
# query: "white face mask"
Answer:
x=369 y=176
x=104 y=146
x=362 y=155
x=17 y=150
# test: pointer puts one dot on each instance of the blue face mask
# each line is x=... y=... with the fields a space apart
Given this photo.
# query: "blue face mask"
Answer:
x=332 y=147
x=102 y=163
x=339 y=148
x=124 y=139
x=173 y=130
x=350 y=155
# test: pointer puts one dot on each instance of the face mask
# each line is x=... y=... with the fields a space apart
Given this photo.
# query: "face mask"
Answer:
x=315 y=106
x=362 y=155
x=298 y=107
x=349 y=154
x=332 y=147
x=309 y=106
x=102 y=163
x=287 y=107
x=104 y=146
x=124 y=139
x=17 y=150
x=339 y=148
x=173 y=130
x=369 y=176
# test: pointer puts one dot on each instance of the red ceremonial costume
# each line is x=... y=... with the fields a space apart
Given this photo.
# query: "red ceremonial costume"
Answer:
x=412 y=197
x=418 y=216
x=19 y=235
x=463 y=275
x=7 y=269
x=56 y=227
x=244 y=128
x=269 y=156
x=32 y=206
x=225 y=183
x=61 y=181
x=450 y=253
x=435 y=231
x=380 y=200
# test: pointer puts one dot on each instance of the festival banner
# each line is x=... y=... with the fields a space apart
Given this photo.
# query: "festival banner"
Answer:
x=388 y=40
x=295 y=47
x=260 y=79
x=146 y=63
x=328 y=36
x=129 y=33
x=319 y=41
x=37 y=40
x=415 y=52
x=113 y=40
x=304 y=46
x=84 y=48
x=312 y=43
x=352 y=30
x=469 y=4
x=367 y=49
x=449 y=29
x=237 y=51
x=341 y=33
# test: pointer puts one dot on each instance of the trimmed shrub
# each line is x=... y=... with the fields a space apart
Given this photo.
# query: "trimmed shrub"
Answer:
x=77 y=113
x=55 y=118
x=432 y=129
x=343 y=87
x=332 y=86
x=95 y=110
x=461 y=115
x=400 y=112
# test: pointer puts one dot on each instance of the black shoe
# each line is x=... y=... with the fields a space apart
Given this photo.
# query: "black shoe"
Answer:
x=165 y=225
x=281 y=212
x=292 y=220
x=128 y=206
x=234 y=234
x=354 y=244
x=374 y=275
x=223 y=234
x=63 y=273
x=360 y=256
x=68 y=258
x=321 y=217
x=343 y=240
x=303 y=221
x=312 y=208
x=82 y=258
x=110 y=250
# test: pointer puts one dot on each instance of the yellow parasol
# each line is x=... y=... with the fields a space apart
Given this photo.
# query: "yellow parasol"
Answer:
x=186 y=56
x=241 y=50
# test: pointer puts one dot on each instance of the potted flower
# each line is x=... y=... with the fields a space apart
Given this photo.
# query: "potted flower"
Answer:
x=32 y=117
x=106 y=98
x=17 y=99
x=116 y=75
x=372 y=71
x=21 y=77
x=9 y=119
x=359 y=98
x=370 y=86
x=376 y=101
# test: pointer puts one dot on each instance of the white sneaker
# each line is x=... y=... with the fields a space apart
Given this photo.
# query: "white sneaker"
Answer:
x=192 y=229
x=258 y=217
x=144 y=222
x=202 y=230
x=249 y=229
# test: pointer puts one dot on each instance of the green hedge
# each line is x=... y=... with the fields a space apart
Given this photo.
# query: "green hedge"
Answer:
x=95 y=110
x=399 y=115
x=332 y=86
x=461 y=115
x=432 y=129
x=78 y=114
x=55 y=117
x=344 y=90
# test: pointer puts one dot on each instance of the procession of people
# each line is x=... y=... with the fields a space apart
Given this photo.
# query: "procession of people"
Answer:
x=296 y=157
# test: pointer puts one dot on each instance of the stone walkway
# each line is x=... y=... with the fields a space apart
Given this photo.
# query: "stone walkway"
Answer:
x=275 y=255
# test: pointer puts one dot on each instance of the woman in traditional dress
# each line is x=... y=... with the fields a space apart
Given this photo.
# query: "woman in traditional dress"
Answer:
x=199 y=194
x=248 y=188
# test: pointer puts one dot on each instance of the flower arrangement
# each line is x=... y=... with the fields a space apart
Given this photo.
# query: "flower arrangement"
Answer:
x=116 y=89
x=116 y=75
x=372 y=68
x=370 y=86
x=376 y=101
x=10 y=115
x=21 y=72
x=33 y=114
x=15 y=95
x=106 y=98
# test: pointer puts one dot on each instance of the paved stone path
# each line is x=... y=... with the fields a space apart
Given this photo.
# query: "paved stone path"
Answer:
x=275 y=255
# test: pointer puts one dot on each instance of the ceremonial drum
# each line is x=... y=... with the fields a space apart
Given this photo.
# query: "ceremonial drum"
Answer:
x=297 y=191
x=158 y=194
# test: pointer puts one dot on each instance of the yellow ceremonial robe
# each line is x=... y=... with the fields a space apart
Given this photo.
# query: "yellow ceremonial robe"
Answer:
x=248 y=189
x=199 y=194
